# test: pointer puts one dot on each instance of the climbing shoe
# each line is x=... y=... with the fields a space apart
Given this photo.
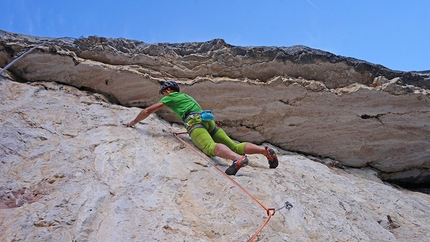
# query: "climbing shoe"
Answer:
x=272 y=158
x=237 y=164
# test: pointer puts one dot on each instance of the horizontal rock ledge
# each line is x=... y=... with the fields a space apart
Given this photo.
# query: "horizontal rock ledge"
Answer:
x=297 y=98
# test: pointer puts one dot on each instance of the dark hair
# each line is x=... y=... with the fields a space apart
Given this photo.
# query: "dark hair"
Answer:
x=169 y=84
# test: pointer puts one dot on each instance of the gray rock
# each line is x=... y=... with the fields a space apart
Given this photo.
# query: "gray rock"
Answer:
x=70 y=171
x=298 y=98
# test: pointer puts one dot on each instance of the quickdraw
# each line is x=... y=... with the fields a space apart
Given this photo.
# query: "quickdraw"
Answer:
x=287 y=205
x=270 y=211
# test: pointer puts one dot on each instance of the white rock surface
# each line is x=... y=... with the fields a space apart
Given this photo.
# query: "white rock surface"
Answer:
x=70 y=171
x=301 y=99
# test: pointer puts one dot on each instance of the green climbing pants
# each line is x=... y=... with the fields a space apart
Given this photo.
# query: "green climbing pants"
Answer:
x=205 y=142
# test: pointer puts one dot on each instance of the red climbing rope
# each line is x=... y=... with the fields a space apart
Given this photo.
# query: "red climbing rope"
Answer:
x=270 y=211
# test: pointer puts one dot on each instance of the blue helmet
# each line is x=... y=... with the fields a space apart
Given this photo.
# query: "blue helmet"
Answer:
x=169 y=84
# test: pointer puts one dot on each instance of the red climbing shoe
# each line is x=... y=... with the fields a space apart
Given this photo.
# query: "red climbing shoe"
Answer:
x=272 y=158
x=237 y=164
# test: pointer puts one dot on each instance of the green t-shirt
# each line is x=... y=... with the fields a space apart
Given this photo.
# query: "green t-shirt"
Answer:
x=181 y=104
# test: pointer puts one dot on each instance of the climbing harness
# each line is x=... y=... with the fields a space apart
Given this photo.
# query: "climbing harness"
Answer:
x=194 y=120
x=270 y=211
x=196 y=123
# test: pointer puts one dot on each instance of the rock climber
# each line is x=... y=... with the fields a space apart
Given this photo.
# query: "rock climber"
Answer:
x=204 y=132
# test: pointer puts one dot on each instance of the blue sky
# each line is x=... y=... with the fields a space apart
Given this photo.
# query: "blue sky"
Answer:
x=393 y=33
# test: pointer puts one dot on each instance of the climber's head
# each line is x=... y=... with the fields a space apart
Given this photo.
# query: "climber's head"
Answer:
x=169 y=85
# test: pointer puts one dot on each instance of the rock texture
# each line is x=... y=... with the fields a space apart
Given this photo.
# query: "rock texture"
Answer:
x=70 y=171
x=300 y=99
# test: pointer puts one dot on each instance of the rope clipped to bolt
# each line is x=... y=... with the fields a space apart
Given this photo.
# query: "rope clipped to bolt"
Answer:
x=270 y=211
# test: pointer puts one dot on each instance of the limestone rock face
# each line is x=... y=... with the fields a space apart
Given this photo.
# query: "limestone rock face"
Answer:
x=70 y=171
x=298 y=98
